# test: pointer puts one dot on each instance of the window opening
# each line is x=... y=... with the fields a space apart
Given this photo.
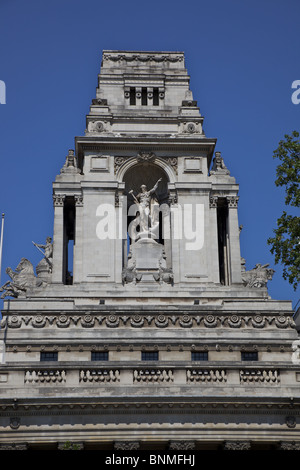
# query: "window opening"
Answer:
x=199 y=356
x=144 y=97
x=149 y=355
x=48 y=356
x=99 y=356
x=155 y=97
x=132 y=100
x=249 y=356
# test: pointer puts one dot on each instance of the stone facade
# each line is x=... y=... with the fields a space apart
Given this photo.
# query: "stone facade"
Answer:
x=132 y=336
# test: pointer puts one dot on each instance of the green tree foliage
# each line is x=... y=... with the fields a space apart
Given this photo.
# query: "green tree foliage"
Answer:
x=285 y=244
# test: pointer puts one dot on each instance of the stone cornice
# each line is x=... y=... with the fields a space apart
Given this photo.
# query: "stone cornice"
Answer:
x=135 y=142
x=78 y=406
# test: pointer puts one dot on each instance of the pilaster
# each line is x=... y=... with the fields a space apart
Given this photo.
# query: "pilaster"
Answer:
x=234 y=240
x=58 y=237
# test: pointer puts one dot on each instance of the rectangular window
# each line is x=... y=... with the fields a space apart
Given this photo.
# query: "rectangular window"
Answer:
x=132 y=96
x=144 y=97
x=149 y=355
x=249 y=356
x=155 y=97
x=49 y=356
x=99 y=356
x=199 y=356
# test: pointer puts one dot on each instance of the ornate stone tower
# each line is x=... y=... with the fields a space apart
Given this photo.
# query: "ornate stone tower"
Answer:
x=140 y=327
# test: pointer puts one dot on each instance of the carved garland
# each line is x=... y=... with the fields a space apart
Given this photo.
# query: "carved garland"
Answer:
x=140 y=321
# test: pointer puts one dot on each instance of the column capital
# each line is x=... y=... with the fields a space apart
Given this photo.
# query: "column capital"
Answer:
x=232 y=201
x=213 y=201
x=78 y=200
x=58 y=199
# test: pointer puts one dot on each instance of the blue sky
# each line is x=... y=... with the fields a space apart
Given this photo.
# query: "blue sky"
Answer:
x=242 y=57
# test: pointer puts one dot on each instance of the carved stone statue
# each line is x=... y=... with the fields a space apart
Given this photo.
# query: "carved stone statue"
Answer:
x=219 y=167
x=258 y=276
x=48 y=251
x=21 y=280
x=44 y=267
x=129 y=274
x=146 y=260
x=147 y=217
x=70 y=165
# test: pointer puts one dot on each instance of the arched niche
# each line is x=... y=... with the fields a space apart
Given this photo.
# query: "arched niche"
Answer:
x=148 y=173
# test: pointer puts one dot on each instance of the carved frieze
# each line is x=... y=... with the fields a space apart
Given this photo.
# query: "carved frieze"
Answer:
x=182 y=445
x=237 y=445
x=126 y=445
x=14 y=446
x=143 y=57
x=161 y=320
x=290 y=421
x=290 y=445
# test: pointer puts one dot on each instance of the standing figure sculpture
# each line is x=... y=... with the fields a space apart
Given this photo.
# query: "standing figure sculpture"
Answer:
x=148 y=215
x=48 y=251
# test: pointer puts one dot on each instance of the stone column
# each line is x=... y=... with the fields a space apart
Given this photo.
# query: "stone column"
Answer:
x=138 y=96
x=77 y=262
x=234 y=241
x=58 y=238
x=150 y=96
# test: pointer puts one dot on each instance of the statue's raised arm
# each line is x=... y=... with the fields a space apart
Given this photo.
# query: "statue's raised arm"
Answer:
x=155 y=186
